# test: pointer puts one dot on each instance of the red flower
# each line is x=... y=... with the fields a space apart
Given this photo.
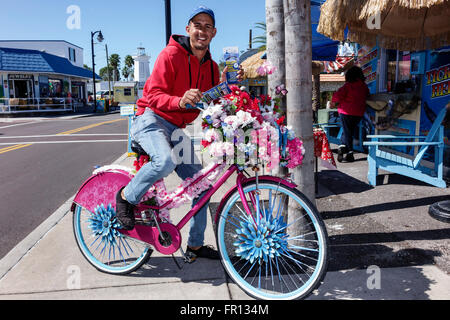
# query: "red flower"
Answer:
x=281 y=120
x=244 y=101
x=205 y=143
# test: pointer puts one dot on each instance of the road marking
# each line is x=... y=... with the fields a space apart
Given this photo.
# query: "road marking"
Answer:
x=14 y=147
x=59 y=135
x=43 y=142
x=27 y=144
x=18 y=124
x=88 y=127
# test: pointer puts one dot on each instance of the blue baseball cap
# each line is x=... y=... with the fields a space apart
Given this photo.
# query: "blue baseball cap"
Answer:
x=202 y=9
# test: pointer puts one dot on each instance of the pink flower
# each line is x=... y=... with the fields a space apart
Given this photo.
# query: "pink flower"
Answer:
x=265 y=69
x=296 y=152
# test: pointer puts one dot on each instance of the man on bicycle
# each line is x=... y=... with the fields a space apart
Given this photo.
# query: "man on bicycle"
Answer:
x=182 y=71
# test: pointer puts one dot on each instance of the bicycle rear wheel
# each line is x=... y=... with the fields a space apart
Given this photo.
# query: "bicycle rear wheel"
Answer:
x=103 y=245
x=280 y=253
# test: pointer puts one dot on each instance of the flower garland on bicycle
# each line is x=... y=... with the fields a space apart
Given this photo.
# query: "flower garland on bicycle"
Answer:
x=244 y=129
x=240 y=128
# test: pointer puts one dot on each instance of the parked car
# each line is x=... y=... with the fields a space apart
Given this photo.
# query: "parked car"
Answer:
x=104 y=94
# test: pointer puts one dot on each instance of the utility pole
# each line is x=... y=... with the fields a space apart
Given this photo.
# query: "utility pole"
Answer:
x=168 y=21
x=109 y=75
x=100 y=39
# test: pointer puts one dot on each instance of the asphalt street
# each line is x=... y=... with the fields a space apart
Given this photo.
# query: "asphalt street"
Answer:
x=45 y=160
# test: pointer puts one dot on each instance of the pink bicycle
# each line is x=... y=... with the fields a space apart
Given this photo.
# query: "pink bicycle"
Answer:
x=271 y=238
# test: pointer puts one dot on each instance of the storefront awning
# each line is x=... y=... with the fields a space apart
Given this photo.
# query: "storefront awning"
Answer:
x=323 y=48
x=24 y=60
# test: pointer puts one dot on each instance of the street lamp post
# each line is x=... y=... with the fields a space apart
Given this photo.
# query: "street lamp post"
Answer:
x=100 y=39
x=168 y=20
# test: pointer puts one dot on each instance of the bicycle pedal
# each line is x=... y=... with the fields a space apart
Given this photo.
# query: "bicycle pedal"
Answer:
x=190 y=257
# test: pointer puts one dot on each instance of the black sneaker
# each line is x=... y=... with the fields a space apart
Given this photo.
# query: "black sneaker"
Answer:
x=125 y=212
x=204 y=252
x=349 y=157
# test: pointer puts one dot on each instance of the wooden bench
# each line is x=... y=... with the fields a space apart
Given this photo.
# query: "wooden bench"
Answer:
x=383 y=158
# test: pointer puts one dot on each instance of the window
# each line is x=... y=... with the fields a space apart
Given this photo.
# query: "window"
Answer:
x=398 y=75
x=72 y=56
x=127 y=92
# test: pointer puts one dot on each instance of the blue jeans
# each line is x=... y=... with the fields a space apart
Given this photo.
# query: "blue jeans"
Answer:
x=154 y=134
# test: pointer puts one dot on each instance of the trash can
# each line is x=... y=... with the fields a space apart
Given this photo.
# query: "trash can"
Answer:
x=100 y=105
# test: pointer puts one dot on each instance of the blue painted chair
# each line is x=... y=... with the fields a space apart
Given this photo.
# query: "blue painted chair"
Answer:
x=383 y=158
x=336 y=139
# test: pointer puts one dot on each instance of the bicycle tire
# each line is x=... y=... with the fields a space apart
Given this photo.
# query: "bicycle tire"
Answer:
x=118 y=254
x=287 y=270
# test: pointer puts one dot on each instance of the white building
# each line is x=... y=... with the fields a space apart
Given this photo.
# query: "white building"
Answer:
x=141 y=68
x=42 y=76
x=59 y=48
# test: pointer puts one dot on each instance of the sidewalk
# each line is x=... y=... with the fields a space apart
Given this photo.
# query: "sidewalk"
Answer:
x=383 y=231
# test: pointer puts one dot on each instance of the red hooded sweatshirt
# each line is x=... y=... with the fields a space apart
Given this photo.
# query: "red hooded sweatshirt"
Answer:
x=352 y=98
x=177 y=70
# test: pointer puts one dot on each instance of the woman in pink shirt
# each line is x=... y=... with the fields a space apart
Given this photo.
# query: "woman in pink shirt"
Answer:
x=351 y=100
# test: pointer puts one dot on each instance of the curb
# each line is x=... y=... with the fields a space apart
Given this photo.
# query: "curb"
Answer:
x=22 y=248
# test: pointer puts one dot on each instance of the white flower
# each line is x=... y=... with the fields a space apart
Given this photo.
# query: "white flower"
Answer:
x=228 y=130
x=232 y=121
x=214 y=111
x=210 y=135
x=244 y=118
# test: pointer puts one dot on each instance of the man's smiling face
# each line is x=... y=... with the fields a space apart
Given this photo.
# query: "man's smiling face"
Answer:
x=201 y=30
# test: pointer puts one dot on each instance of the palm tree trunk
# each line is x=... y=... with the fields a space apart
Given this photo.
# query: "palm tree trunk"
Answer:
x=297 y=20
x=275 y=45
x=275 y=54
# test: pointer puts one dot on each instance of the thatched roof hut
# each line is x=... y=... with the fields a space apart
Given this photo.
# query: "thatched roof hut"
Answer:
x=252 y=63
x=396 y=24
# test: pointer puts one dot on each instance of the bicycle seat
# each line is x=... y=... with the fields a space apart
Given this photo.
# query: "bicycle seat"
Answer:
x=136 y=147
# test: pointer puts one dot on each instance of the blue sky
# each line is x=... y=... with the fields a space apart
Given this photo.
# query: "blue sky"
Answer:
x=127 y=24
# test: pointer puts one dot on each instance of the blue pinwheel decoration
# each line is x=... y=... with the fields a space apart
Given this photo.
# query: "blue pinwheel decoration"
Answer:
x=104 y=224
x=261 y=240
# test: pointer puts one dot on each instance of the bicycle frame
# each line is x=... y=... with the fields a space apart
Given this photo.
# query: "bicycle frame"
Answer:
x=240 y=180
x=113 y=179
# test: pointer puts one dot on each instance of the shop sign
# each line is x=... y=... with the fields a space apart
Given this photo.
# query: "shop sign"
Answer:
x=439 y=80
x=127 y=110
x=20 y=77
x=435 y=95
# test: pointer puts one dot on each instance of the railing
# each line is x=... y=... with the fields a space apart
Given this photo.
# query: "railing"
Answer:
x=23 y=105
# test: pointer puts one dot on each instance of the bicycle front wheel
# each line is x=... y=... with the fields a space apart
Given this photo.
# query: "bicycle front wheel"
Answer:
x=103 y=245
x=280 y=250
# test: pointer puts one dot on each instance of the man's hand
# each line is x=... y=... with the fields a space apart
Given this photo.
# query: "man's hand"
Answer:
x=191 y=97
x=240 y=74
